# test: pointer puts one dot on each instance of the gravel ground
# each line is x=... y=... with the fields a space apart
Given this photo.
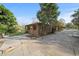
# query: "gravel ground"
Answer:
x=58 y=44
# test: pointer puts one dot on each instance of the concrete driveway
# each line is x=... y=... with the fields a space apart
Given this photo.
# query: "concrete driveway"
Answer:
x=58 y=44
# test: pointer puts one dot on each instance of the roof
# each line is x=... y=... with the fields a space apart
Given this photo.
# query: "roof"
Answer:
x=34 y=21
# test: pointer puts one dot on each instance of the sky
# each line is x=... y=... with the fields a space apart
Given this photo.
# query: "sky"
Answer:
x=25 y=13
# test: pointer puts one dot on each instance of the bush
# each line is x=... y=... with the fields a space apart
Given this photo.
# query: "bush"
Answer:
x=3 y=28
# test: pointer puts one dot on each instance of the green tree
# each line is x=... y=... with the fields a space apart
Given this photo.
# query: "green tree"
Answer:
x=3 y=28
x=60 y=24
x=75 y=19
x=69 y=25
x=48 y=13
x=7 y=18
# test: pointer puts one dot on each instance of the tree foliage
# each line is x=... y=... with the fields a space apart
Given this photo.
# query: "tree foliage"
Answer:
x=75 y=19
x=61 y=24
x=7 y=18
x=48 y=13
x=69 y=25
x=3 y=28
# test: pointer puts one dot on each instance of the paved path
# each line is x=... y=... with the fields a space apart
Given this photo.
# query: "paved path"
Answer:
x=58 y=44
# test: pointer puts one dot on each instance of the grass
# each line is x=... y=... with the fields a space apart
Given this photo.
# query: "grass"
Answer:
x=16 y=34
